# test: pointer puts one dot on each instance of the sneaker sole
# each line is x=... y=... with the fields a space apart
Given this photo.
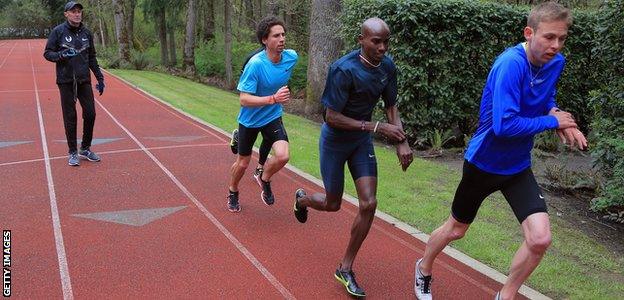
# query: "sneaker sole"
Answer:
x=263 y=201
x=87 y=158
x=74 y=165
x=258 y=179
x=346 y=285
x=233 y=210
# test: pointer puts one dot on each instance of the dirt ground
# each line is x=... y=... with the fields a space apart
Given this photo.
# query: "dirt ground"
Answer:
x=570 y=206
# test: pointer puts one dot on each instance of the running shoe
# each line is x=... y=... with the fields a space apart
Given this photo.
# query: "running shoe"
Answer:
x=232 y=203
x=73 y=159
x=257 y=175
x=88 y=155
x=267 y=194
x=422 y=283
x=347 y=278
x=234 y=142
x=301 y=213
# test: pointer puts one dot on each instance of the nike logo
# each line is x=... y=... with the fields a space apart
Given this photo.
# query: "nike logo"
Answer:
x=371 y=155
x=276 y=131
x=541 y=197
x=84 y=40
x=538 y=81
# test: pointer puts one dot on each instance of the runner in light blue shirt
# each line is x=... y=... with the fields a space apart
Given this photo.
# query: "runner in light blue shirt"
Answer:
x=263 y=89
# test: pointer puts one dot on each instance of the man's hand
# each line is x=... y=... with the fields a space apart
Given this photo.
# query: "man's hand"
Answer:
x=565 y=119
x=393 y=132
x=572 y=136
x=100 y=87
x=405 y=155
x=282 y=95
x=67 y=53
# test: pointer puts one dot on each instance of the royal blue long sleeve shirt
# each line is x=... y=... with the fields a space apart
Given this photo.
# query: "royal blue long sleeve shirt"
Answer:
x=514 y=108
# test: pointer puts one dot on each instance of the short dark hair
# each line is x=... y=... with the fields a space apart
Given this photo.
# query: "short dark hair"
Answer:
x=265 y=25
x=547 y=12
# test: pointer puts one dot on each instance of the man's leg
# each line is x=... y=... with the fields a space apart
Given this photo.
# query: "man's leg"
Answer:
x=277 y=161
x=450 y=231
x=69 y=115
x=237 y=171
x=366 y=189
x=537 y=239
x=85 y=96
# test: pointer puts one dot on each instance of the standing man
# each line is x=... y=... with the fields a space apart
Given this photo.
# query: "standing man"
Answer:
x=70 y=46
x=518 y=102
x=354 y=85
x=263 y=90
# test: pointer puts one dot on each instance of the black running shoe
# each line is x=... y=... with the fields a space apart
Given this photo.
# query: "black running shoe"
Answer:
x=232 y=203
x=347 y=278
x=267 y=194
x=234 y=142
x=301 y=213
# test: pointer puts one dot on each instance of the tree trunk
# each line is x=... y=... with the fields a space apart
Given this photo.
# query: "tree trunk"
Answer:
x=100 y=25
x=173 y=59
x=209 y=23
x=249 y=16
x=121 y=31
x=189 y=40
x=161 y=28
x=324 y=48
x=227 y=20
x=272 y=7
x=129 y=14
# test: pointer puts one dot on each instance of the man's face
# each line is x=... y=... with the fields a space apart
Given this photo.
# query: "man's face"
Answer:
x=276 y=39
x=545 y=42
x=375 y=44
x=74 y=16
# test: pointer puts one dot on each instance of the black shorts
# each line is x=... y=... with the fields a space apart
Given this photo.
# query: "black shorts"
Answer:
x=271 y=132
x=520 y=190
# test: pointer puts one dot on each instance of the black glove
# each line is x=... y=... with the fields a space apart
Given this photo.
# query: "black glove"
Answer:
x=100 y=87
x=67 y=53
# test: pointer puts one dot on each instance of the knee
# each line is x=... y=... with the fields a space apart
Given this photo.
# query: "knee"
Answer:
x=539 y=243
x=242 y=163
x=332 y=206
x=282 y=158
x=456 y=230
x=368 y=206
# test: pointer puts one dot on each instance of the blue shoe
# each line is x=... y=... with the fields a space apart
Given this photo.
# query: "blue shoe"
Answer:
x=233 y=205
x=73 y=159
x=347 y=278
x=88 y=155
x=267 y=193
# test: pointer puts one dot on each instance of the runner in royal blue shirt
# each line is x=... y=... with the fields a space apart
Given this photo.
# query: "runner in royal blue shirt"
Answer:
x=354 y=85
x=263 y=90
x=518 y=102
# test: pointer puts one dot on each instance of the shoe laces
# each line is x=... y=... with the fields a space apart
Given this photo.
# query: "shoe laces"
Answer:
x=426 y=284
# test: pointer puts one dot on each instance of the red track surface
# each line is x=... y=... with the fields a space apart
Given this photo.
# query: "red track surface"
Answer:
x=200 y=251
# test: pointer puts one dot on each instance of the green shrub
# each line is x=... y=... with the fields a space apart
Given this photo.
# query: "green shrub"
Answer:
x=444 y=50
x=608 y=102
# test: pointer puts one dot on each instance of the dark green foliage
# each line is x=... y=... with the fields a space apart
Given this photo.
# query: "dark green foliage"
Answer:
x=608 y=103
x=444 y=50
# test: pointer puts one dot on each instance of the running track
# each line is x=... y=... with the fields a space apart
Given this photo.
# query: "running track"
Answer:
x=167 y=165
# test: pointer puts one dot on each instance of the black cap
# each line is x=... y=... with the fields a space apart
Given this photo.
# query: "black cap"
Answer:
x=71 y=4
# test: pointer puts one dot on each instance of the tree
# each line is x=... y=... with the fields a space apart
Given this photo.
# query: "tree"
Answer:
x=227 y=28
x=121 y=31
x=189 y=41
x=324 y=48
x=209 y=22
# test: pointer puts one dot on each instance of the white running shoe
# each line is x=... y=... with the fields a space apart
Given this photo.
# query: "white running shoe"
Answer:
x=422 y=283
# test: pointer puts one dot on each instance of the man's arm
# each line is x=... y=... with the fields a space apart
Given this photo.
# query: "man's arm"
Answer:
x=404 y=152
x=281 y=96
x=93 y=63
x=50 y=53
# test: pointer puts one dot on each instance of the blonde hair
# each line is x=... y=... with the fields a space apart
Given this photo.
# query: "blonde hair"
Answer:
x=548 y=12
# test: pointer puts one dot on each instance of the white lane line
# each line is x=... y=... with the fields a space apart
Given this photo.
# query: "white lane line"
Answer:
x=10 y=51
x=113 y=152
x=56 y=220
x=265 y=272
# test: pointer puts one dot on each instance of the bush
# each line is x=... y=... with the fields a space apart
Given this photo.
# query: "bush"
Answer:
x=608 y=103
x=444 y=50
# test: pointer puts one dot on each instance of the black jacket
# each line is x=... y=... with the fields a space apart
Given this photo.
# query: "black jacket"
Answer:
x=80 y=38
